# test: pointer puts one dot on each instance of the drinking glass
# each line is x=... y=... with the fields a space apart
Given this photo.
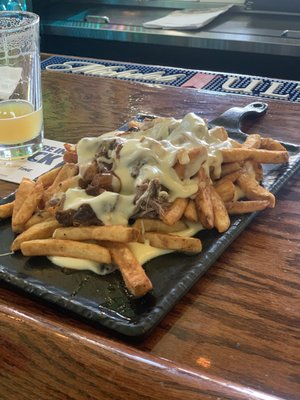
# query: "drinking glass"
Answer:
x=12 y=5
x=21 y=112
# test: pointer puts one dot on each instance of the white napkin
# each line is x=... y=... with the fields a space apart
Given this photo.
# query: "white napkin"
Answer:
x=187 y=19
x=9 y=79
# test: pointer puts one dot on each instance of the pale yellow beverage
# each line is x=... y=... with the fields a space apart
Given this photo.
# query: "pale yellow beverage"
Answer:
x=19 y=123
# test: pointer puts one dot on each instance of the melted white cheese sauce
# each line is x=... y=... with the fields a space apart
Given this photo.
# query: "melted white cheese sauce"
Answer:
x=81 y=264
x=148 y=154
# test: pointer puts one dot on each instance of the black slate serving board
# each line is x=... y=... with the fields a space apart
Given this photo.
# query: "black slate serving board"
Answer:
x=104 y=300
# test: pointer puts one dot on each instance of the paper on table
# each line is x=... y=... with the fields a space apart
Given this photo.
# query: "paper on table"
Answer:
x=187 y=19
x=9 y=79
x=48 y=158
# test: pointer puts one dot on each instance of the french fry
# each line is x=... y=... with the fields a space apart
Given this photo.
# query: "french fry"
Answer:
x=254 y=169
x=221 y=218
x=189 y=161
x=68 y=183
x=235 y=144
x=203 y=201
x=66 y=248
x=252 y=141
x=172 y=242
x=259 y=172
x=228 y=168
x=190 y=213
x=225 y=189
x=156 y=225
x=6 y=210
x=135 y=278
x=114 y=233
x=253 y=191
x=70 y=155
x=204 y=208
x=67 y=171
x=232 y=176
x=247 y=206
x=219 y=132
x=174 y=212
x=259 y=155
x=22 y=193
x=29 y=205
x=48 y=178
x=38 y=217
x=271 y=144
x=43 y=230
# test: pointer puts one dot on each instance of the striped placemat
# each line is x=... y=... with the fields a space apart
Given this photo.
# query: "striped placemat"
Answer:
x=219 y=82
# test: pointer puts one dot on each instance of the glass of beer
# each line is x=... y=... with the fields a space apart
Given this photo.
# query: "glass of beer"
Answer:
x=21 y=112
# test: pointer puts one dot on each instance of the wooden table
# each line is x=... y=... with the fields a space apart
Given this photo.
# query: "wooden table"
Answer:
x=233 y=336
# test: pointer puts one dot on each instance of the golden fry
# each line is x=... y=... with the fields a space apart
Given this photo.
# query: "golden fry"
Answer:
x=48 y=178
x=271 y=144
x=190 y=212
x=244 y=207
x=29 y=204
x=252 y=141
x=253 y=191
x=254 y=169
x=22 y=193
x=232 y=176
x=174 y=212
x=70 y=155
x=43 y=230
x=259 y=155
x=37 y=218
x=135 y=278
x=221 y=218
x=238 y=193
x=203 y=201
x=218 y=132
x=68 y=183
x=67 y=171
x=225 y=189
x=114 y=233
x=156 y=225
x=6 y=210
x=66 y=248
x=235 y=144
x=173 y=242
x=259 y=172
x=189 y=161
x=228 y=168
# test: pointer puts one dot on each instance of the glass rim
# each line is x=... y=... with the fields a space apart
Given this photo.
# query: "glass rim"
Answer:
x=32 y=19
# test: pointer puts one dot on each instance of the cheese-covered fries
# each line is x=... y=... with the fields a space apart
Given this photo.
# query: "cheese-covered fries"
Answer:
x=127 y=196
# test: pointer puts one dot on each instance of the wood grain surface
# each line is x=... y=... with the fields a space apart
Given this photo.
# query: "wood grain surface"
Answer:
x=235 y=335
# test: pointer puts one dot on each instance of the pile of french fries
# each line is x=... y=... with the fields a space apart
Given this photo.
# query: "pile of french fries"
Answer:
x=237 y=191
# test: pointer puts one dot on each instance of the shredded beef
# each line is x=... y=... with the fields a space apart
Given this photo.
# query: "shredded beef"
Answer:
x=107 y=146
x=84 y=216
x=150 y=200
x=65 y=218
x=94 y=190
x=100 y=183
x=90 y=172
